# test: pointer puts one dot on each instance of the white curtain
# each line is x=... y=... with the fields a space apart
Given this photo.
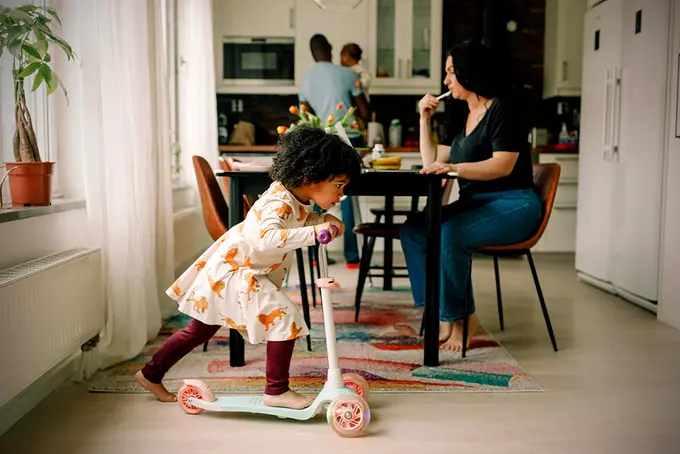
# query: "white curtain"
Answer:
x=119 y=111
x=197 y=100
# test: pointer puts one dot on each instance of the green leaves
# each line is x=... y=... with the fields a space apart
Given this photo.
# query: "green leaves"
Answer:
x=25 y=33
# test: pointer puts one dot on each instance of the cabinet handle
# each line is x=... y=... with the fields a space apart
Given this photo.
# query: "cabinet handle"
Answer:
x=291 y=17
x=399 y=72
x=408 y=69
x=564 y=70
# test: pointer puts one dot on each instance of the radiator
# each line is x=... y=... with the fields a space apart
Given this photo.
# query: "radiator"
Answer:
x=49 y=307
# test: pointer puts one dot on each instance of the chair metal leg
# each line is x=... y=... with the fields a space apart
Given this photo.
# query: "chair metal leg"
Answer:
x=498 y=291
x=205 y=346
x=312 y=281
x=308 y=321
x=467 y=316
x=364 y=268
x=542 y=300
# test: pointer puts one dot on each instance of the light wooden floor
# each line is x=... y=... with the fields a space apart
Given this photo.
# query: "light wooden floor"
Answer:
x=614 y=387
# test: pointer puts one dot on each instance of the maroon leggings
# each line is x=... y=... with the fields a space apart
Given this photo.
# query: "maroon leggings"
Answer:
x=196 y=333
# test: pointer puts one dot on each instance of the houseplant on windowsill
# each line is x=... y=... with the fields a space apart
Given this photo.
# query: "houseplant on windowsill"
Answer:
x=25 y=33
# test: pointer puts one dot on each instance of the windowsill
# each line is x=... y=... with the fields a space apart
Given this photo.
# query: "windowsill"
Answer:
x=58 y=206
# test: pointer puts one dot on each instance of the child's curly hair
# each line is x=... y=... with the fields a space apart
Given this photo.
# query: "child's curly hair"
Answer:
x=309 y=155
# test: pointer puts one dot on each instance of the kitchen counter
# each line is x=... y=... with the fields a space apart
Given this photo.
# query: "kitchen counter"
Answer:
x=272 y=149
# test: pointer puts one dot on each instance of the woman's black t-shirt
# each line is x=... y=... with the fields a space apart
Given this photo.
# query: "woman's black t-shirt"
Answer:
x=501 y=129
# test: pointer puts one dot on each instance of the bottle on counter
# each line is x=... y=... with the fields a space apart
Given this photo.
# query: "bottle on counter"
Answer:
x=564 y=135
x=395 y=133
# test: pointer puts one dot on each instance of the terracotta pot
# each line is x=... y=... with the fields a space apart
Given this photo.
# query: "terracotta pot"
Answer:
x=30 y=183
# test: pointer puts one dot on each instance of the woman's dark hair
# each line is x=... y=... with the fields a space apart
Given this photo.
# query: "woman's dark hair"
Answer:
x=476 y=68
x=309 y=155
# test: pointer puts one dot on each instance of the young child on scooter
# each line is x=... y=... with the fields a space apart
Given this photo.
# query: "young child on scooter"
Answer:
x=237 y=282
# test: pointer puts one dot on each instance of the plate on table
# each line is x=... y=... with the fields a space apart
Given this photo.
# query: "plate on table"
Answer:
x=255 y=166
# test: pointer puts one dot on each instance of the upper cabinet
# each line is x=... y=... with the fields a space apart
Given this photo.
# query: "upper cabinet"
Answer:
x=563 y=56
x=339 y=28
x=405 y=52
x=247 y=18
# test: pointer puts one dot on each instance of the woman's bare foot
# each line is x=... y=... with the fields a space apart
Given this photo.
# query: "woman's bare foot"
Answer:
x=289 y=399
x=445 y=330
x=455 y=342
x=157 y=390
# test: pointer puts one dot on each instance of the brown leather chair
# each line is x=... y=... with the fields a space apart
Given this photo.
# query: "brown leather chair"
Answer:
x=216 y=218
x=546 y=178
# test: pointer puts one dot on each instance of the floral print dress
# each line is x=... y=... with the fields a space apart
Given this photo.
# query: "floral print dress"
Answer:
x=237 y=281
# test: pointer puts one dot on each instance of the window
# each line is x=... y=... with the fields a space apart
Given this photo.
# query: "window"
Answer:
x=170 y=49
x=38 y=106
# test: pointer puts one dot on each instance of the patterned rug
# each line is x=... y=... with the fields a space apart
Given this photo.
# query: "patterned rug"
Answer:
x=384 y=347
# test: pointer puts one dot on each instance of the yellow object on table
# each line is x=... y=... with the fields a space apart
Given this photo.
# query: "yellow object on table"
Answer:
x=390 y=163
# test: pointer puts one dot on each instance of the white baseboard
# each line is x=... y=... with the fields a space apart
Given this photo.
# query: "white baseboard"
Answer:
x=21 y=404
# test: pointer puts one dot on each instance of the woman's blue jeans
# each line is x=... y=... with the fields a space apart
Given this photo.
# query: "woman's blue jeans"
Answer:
x=491 y=219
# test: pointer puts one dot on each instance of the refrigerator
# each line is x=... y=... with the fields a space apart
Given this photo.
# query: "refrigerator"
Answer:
x=624 y=96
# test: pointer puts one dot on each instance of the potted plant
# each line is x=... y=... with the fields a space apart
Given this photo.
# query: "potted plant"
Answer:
x=25 y=33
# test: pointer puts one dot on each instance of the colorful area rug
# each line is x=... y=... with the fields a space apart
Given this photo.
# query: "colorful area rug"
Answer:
x=384 y=347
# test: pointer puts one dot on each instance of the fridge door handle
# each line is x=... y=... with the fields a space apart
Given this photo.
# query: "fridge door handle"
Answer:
x=677 y=100
x=605 y=118
x=616 y=118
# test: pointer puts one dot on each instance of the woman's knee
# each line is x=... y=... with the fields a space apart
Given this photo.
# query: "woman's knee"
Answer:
x=412 y=231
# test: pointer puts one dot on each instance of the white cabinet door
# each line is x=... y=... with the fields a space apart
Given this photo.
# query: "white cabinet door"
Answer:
x=405 y=45
x=338 y=28
x=638 y=155
x=254 y=18
x=563 y=47
x=669 y=291
x=601 y=56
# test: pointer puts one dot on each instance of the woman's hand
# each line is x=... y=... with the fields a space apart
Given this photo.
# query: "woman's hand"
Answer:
x=439 y=168
x=427 y=106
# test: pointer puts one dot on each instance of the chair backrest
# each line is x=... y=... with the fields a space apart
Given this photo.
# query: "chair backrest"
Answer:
x=214 y=207
x=546 y=179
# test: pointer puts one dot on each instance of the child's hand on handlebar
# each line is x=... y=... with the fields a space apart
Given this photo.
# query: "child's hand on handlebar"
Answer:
x=331 y=227
x=336 y=222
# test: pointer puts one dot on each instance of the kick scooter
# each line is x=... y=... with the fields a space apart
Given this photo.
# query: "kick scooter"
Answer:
x=343 y=396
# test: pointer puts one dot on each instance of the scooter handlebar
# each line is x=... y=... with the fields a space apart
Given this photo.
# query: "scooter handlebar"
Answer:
x=324 y=236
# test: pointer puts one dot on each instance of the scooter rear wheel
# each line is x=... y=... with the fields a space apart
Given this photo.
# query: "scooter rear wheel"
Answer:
x=356 y=383
x=197 y=391
x=348 y=415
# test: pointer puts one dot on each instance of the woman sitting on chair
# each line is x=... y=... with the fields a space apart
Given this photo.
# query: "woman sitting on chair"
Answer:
x=497 y=203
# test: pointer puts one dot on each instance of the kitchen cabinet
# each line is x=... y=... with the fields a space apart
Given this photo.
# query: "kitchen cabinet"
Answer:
x=563 y=47
x=669 y=290
x=560 y=234
x=405 y=51
x=339 y=28
x=263 y=18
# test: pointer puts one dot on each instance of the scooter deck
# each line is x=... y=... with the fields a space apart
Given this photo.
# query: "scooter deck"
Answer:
x=255 y=404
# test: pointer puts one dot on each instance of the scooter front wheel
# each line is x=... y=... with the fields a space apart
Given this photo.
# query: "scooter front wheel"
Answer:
x=198 y=390
x=349 y=415
x=357 y=383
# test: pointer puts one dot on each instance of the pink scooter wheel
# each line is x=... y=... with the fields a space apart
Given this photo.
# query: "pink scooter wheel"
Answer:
x=348 y=415
x=198 y=390
x=356 y=383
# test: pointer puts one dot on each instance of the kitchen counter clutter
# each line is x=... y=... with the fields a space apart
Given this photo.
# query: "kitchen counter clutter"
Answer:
x=227 y=149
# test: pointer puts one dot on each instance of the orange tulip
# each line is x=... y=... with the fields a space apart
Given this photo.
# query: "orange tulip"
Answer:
x=293 y=110
x=281 y=130
x=330 y=119
x=354 y=126
x=339 y=106
x=303 y=107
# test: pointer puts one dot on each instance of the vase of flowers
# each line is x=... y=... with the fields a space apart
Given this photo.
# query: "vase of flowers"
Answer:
x=307 y=118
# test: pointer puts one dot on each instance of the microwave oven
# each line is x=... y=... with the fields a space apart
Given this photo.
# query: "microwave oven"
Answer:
x=258 y=61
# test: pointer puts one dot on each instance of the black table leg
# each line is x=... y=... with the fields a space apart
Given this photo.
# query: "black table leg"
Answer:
x=432 y=268
x=303 y=292
x=388 y=253
x=236 y=344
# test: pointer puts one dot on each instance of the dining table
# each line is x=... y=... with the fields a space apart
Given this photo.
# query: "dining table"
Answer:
x=371 y=182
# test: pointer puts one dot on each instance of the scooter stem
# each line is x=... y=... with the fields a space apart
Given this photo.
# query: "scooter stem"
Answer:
x=334 y=374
